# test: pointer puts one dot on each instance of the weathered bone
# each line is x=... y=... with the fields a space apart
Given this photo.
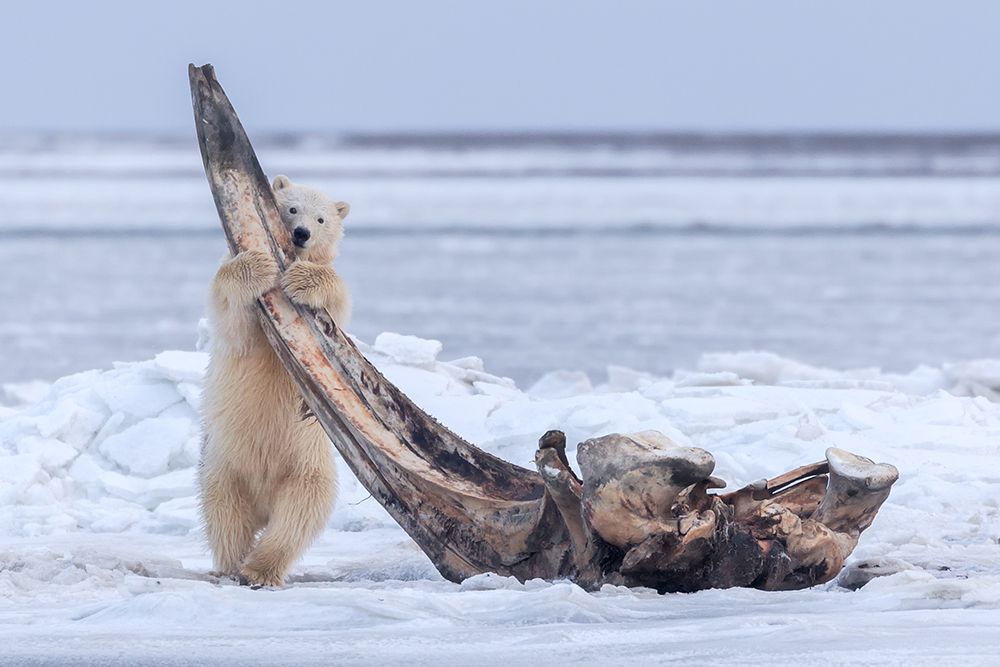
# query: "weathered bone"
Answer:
x=564 y=488
x=858 y=487
x=642 y=514
x=641 y=473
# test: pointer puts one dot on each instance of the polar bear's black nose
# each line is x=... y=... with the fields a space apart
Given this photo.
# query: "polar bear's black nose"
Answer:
x=300 y=236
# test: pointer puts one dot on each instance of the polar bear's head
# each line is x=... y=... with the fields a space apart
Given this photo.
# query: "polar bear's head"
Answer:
x=315 y=222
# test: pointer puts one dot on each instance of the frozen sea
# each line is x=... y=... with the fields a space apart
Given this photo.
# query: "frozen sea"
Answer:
x=533 y=252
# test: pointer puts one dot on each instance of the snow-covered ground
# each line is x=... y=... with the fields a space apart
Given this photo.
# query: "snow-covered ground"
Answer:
x=101 y=559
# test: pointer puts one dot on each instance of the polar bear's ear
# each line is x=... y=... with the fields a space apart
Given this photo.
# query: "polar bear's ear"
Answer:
x=280 y=183
x=343 y=208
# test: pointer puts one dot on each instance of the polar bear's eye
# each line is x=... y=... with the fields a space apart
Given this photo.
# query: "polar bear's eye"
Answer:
x=293 y=210
x=319 y=220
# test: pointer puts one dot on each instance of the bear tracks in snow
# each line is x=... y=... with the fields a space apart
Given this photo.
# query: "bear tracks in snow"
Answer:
x=642 y=513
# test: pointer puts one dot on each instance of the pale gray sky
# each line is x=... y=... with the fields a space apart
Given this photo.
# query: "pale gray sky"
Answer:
x=904 y=65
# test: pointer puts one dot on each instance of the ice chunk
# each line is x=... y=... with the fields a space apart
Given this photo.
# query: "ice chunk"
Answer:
x=181 y=512
x=976 y=378
x=111 y=425
x=922 y=380
x=499 y=390
x=175 y=484
x=19 y=473
x=488 y=581
x=23 y=393
x=769 y=368
x=809 y=427
x=985 y=371
x=122 y=486
x=717 y=379
x=470 y=363
x=621 y=378
x=191 y=393
x=181 y=366
x=861 y=417
x=145 y=449
x=70 y=422
x=51 y=453
x=470 y=377
x=417 y=383
x=180 y=410
x=85 y=471
x=191 y=453
x=204 y=340
x=121 y=518
x=407 y=349
x=137 y=396
x=561 y=384
x=465 y=415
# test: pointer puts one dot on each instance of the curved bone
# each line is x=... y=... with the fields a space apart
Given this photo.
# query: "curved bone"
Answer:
x=642 y=515
x=470 y=511
x=564 y=488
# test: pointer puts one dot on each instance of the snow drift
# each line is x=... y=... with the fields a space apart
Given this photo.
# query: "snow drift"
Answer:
x=98 y=507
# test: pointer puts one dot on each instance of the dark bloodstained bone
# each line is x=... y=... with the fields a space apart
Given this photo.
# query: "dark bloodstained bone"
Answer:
x=642 y=514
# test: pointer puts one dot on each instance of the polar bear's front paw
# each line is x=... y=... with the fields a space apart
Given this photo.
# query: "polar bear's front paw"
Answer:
x=251 y=272
x=308 y=283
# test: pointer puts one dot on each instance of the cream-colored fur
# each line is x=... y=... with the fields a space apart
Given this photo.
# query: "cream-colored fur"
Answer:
x=267 y=475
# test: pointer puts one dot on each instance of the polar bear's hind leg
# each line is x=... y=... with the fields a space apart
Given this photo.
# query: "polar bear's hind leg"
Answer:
x=229 y=521
x=299 y=513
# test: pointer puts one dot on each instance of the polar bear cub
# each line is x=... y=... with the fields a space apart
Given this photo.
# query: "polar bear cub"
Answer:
x=267 y=475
